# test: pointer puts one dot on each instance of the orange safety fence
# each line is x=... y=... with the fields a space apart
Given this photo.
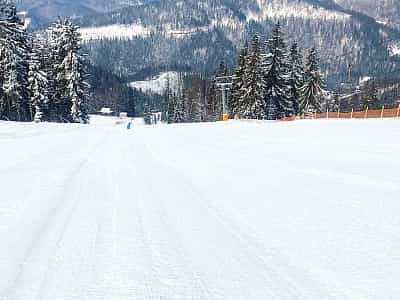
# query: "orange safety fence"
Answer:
x=367 y=114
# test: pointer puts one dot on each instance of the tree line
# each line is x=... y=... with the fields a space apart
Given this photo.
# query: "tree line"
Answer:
x=270 y=82
x=42 y=77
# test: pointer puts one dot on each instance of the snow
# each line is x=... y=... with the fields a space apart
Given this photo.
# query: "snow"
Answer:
x=106 y=110
x=114 y=31
x=130 y=31
x=364 y=80
x=284 y=8
x=158 y=84
x=394 y=49
x=24 y=16
x=237 y=210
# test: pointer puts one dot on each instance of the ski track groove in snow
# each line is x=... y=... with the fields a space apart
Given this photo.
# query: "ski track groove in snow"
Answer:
x=41 y=155
x=64 y=207
x=53 y=262
x=248 y=244
x=199 y=289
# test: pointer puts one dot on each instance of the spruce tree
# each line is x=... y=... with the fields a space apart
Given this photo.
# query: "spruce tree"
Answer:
x=38 y=83
x=166 y=100
x=276 y=78
x=212 y=102
x=73 y=68
x=312 y=90
x=179 y=112
x=197 y=110
x=67 y=74
x=370 y=98
x=238 y=83
x=252 y=104
x=171 y=108
x=56 y=76
x=296 y=77
x=14 y=56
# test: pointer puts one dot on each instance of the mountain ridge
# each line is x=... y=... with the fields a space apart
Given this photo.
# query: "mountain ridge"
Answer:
x=351 y=42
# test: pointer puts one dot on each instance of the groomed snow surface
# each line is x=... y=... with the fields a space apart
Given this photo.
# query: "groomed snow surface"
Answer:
x=237 y=210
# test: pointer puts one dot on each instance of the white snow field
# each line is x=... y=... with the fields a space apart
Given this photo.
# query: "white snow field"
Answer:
x=236 y=210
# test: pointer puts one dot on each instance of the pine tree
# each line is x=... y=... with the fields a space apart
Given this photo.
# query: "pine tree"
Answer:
x=38 y=83
x=15 y=50
x=54 y=57
x=370 y=98
x=179 y=112
x=276 y=78
x=171 y=108
x=238 y=83
x=296 y=77
x=75 y=75
x=252 y=106
x=312 y=89
x=166 y=100
x=67 y=74
x=212 y=102
x=147 y=114
x=197 y=110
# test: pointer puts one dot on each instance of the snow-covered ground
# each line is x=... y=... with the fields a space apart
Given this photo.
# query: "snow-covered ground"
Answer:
x=237 y=210
x=115 y=31
x=158 y=84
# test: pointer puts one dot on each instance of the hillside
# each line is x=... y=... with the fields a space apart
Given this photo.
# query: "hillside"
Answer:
x=137 y=39
x=385 y=11
x=163 y=30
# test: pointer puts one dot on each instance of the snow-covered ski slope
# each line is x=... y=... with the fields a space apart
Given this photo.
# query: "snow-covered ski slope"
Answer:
x=237 y=210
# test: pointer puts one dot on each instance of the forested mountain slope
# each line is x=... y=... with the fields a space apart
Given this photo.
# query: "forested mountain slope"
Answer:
x=135 y=39
x=386 y=11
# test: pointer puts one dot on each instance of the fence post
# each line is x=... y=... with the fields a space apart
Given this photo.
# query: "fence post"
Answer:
x=383 y=108
x=366 y=113
x=398 y=111
x=327 y=113
x=352 y=111
x=338 y=113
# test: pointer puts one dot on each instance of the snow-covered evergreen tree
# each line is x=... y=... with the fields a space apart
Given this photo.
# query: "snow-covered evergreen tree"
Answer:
x=212 y=103
x=14 y=56
x=197 y=109
x=179 y=112
x=53 y=61
x=276 y=77
x=370 y=99
x=75 y=74
x=296 y=77
x=312 y=90
x=166 y=100
x=38 y=83
x=171 y=108
x=252 y=106
x=238 y=83
x=67 y=84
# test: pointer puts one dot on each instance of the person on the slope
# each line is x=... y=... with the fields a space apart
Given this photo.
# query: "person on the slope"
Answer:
x=129 y=125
